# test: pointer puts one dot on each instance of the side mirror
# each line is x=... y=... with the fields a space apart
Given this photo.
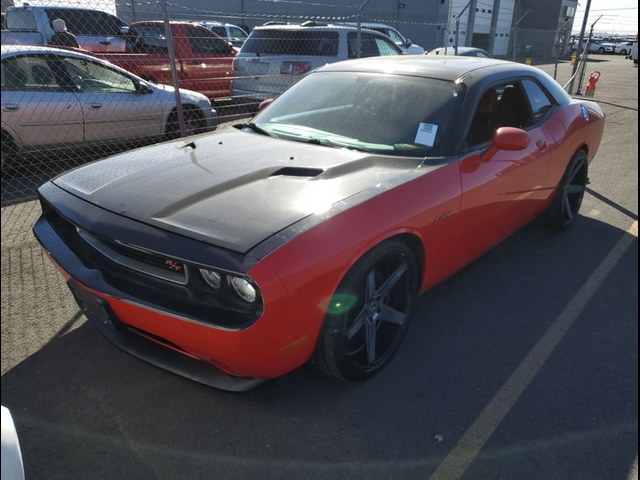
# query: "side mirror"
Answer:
x=408 y=44
x=507 y=139
x=143 y=89
x=124 y=30
x=265 y=104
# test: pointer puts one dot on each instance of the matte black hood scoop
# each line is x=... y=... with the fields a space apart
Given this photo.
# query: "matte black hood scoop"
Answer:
x=235 y=190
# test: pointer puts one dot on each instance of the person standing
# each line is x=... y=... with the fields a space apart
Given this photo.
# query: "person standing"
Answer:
x=62 y=37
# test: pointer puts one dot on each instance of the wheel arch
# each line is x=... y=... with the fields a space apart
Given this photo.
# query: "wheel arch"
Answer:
x=409 y=236
x=185 y=107
x=9 y=134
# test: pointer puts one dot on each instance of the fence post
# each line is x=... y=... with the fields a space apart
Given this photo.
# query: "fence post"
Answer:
x=458 y=26
x=497 y=5
x=515 y=29
x=174 y=71
x=587 y=51
x=359 y=53
x=561 y=31
x=583 y=32
x=362 y=7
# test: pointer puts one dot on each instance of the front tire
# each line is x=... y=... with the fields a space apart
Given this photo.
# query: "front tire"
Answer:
x=8 y=151
x=369 y=313
x=567 y=202
x=194 y=122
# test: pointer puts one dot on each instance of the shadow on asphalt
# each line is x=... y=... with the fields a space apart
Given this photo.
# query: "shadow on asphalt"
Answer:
x=86 y=410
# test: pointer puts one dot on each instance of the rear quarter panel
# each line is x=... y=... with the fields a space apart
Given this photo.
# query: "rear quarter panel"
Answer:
x=572 y=131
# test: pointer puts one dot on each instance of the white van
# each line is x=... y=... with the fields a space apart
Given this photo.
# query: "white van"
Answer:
x=277 y=55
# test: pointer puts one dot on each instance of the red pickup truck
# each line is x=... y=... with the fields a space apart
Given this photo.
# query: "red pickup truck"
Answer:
x=204 y=60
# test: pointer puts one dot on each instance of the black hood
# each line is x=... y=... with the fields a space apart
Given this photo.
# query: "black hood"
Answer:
x=234 y=189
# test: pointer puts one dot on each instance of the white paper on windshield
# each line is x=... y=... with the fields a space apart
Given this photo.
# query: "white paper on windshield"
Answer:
x=427 y=134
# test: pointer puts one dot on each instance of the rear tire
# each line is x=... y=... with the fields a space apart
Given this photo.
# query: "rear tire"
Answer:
x=369 y=313
x=567 y=202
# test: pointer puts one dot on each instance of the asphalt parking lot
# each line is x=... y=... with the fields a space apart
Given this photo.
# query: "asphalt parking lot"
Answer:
x=524 y=366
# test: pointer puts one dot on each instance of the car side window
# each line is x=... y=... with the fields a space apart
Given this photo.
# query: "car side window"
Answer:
x=385 y=47
x=203 y=43
x=29 y=74
x=92 y=77
x=237 y=34
x=501 y=106
x=369 y=45
x=220 y=31
x=148 y=39
x=398 y=40
x=539 y=100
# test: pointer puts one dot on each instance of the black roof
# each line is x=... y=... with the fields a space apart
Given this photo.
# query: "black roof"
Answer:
x=433 y=66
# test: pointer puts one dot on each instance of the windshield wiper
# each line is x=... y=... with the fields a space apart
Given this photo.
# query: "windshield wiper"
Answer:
x=257 y=129
x=332 y=143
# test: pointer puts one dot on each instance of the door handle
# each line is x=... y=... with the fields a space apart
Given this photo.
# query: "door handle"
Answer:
x=543 y=145
x=10 y=107
x=195 y=62
x=95 y=106
x=105 y=42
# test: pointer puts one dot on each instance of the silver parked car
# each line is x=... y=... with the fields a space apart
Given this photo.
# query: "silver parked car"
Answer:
x=59 y=99
x=276 y=56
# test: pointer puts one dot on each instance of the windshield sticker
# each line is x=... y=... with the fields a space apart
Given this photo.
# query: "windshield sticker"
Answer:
x=427 y=134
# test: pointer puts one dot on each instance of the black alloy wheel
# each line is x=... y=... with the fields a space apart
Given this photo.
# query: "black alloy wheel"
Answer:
x=570 y=196
x=369 y=313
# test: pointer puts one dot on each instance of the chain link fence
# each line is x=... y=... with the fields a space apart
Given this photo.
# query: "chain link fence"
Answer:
x=131 y=74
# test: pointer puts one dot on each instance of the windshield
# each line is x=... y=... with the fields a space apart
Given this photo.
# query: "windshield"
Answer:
x=380 y=113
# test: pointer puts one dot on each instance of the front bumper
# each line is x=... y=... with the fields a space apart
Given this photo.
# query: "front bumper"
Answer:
x=152 y=349
x=267 y=347
x=211 y=117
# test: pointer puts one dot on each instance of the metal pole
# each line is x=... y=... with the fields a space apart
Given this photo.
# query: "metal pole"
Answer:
x=515 y=35
x=583 y=32
x=359 y=55
x=458 y=26
x=497 y=5
x=174 y=69
x=584 y=69
x=362 y=7
x=560 y=31
x=471 y=28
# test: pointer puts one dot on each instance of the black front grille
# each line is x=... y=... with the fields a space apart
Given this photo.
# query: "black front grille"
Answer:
x=140 y=260
x=146 y=258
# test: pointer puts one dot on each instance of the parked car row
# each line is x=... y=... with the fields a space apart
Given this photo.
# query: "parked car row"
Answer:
x=271 y=58
x=602 y=46
x=58 y=99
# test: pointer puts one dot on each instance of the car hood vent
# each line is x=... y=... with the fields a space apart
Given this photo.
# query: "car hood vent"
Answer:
x=298 y=172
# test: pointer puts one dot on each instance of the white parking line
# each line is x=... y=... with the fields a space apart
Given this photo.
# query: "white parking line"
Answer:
x=461 y=457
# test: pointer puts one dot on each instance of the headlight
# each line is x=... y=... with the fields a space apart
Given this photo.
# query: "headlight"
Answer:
x=211 y=278
x=244 y=289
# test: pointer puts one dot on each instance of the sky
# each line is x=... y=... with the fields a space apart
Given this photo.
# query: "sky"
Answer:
x=620 y=15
